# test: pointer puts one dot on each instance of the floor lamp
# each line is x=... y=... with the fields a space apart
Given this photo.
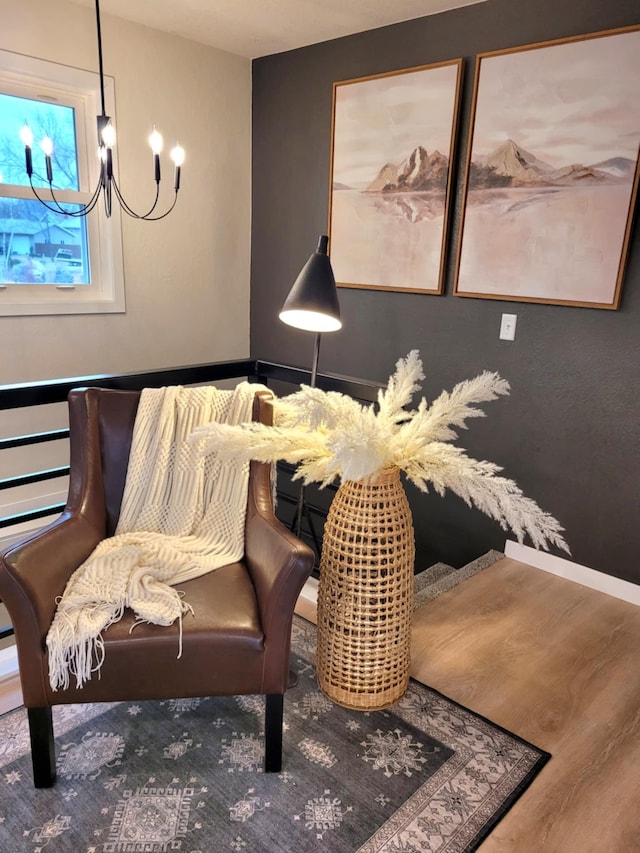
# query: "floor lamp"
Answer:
x=312 y=305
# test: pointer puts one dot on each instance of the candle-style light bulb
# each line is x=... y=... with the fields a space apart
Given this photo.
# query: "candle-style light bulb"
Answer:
x=109 y=135
x=177 y=155
x=155 y=141
x=26 y=135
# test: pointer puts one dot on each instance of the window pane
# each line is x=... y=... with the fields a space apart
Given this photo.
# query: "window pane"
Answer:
x=52 y=120
x=39 y=247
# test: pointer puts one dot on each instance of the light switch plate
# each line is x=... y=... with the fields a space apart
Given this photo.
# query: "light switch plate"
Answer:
x=508 y=327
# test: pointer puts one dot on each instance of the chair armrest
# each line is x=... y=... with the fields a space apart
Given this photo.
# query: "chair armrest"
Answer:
x=35 y=571
x=279 y=562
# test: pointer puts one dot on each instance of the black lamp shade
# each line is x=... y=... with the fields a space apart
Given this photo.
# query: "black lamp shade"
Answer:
x=312 y=303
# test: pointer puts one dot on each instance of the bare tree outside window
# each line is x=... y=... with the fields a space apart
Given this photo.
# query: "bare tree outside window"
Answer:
x=36 y=245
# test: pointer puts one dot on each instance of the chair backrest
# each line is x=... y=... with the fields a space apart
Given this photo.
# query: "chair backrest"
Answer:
x=101 y=422
x=117 y=417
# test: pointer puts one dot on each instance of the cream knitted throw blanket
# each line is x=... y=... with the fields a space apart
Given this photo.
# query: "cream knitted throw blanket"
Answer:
x=183 y=514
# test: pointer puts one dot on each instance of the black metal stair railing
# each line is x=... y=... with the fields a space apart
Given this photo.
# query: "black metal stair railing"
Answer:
x=55 y=391
x=272 y=374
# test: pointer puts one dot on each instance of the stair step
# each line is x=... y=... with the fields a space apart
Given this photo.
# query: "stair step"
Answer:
x=439 y=578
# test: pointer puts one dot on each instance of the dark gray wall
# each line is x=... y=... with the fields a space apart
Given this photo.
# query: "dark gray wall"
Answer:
x=568 y=434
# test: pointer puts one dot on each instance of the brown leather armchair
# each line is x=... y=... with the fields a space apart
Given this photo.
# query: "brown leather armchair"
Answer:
x=238 y=640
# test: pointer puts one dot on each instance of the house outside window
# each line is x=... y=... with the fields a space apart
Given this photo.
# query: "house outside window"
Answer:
x=51 y=263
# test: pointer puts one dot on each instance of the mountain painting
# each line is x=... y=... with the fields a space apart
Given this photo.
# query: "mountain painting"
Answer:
x=552 y=172
x=393 y=138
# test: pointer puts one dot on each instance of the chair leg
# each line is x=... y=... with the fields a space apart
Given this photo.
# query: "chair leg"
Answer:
x=43 y=752
x=273 y=733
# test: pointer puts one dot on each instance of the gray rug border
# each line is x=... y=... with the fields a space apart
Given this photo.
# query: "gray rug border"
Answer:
x=404 y=828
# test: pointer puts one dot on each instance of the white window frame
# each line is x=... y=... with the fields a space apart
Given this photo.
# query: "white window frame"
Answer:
x=40 y=79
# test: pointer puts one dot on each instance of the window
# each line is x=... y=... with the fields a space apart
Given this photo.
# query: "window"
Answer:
x=51 y=263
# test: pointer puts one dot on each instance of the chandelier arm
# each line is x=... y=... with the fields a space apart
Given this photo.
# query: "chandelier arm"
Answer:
x=162 y=215
x=123 y=204
x=83 y=209
x=55 y=207
x=107 y=182
x=129 y=210
x=147 y=217
x=90 y=205
x=94 y=198
x=58 y=209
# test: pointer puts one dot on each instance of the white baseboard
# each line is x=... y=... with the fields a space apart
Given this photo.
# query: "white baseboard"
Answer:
x=10 y=692
x=599 y=581
x=8 y=661
x=310 y=591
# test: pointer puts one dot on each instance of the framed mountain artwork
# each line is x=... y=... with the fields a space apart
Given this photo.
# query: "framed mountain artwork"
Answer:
x=393 y=140
x=552 y=172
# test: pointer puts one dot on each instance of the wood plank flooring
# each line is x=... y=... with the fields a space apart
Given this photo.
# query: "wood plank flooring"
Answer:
x=559 y=665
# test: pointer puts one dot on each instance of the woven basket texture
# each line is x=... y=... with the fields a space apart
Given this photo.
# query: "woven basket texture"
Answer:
x=365 y=594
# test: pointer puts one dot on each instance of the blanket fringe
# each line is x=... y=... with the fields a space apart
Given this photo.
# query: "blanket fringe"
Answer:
x=76 y=654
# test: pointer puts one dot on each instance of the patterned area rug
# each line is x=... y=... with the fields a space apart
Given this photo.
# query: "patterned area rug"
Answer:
x=186 y=775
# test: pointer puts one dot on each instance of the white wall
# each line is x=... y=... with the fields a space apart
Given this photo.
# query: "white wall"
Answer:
x=186 y=277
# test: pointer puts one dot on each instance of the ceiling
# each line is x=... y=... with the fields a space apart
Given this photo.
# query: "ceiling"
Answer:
x=255 y=28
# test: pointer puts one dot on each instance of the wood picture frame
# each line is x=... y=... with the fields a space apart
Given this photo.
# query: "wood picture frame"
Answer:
x=393 y=142
x=552 y=171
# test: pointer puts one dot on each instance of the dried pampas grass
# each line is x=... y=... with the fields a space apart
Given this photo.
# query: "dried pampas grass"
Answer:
x=328 y=435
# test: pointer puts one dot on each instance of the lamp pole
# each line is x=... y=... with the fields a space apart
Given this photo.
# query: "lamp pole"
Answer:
x=314 y=363
x=301 y=507
x=312 y=305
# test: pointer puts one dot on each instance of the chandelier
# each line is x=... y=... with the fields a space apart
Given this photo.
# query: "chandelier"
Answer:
x=107 y=185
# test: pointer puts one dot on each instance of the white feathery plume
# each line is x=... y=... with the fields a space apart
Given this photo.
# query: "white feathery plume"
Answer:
x=452 y=409
x=316 y=408
x=328 y=435
x=261 y=442
x=360 y=448
x=400 y=389
x=447 y=467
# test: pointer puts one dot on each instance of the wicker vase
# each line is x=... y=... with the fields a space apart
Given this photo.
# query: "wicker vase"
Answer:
x=365 y=594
